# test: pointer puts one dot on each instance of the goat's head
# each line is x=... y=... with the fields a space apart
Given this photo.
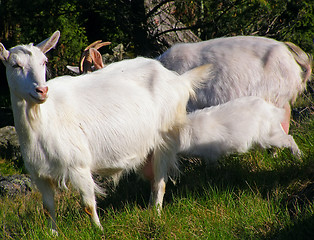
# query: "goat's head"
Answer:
x=26 y=69
x=91 y=58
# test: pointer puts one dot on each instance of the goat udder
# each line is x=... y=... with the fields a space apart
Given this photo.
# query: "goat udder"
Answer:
x=147 y=170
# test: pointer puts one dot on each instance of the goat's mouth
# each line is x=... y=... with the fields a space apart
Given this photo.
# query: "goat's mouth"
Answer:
x=39 y=99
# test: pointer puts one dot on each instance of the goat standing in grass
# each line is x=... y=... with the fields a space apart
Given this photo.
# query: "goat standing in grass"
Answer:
x=234 y=126
x=106 y=122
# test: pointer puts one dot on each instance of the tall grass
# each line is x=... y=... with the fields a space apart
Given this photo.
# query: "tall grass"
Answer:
x=248 y=196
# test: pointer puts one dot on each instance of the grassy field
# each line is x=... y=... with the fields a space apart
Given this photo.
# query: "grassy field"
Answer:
x=248 y=196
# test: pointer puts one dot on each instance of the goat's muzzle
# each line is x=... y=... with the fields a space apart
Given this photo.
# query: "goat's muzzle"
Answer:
x=42 y=93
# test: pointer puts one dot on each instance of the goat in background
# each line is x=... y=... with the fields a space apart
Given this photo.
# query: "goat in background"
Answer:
x=244 y=66
x=91 y=58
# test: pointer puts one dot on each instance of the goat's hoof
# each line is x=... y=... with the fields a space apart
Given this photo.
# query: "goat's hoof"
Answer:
x=298 y=154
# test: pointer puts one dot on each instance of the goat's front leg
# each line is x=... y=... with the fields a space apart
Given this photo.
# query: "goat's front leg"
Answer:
x=81 y=179
x=46 y=188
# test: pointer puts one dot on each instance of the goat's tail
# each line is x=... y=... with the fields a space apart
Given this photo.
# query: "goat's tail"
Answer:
x=302 y=58
x=198 y=76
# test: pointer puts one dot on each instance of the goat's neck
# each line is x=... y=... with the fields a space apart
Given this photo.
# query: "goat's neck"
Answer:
x=26 y=117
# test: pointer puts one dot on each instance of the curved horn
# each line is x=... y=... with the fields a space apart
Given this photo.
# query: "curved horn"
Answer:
x=85 y=62
x=81 y=62
x=99 y=45
x=92 y=45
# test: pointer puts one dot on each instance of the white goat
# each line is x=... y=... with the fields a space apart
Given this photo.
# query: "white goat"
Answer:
x=105 y=122
x=244 y=66
x=234 y=126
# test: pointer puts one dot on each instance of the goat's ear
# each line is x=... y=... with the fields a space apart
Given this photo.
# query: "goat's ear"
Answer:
x=49 y=43
x=97 y=58
x=4 y=54
x=74 y=69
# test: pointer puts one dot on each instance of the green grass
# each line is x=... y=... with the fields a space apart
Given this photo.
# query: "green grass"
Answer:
x=248 y=196
x=8 y=168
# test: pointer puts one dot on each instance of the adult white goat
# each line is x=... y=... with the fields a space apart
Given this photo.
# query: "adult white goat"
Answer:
x=105 y=122
x=234 y=126
x=244 y=66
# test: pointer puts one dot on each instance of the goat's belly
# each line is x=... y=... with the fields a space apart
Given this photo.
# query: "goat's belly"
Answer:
x=107 y=172
x=111 y=166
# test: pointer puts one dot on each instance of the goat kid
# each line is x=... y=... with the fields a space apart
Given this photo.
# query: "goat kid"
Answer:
x=106 y=122
x=234 y=126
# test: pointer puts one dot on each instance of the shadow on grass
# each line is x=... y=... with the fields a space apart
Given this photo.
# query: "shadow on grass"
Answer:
x=301 y=229
x=131 y=190
x=234 y=173
x=257 y=170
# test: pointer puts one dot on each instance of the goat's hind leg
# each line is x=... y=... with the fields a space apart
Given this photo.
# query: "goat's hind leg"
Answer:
x=83 y=181
x=163 y=161
x=158 y=184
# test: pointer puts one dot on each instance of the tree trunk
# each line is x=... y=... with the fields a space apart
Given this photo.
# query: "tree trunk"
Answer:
x=163 y=27
x=155 y=28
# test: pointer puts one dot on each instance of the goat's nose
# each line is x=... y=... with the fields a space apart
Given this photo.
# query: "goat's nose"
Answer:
x=42 y=90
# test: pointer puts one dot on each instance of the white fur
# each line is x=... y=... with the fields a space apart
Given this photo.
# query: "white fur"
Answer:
x=243 y=66
x=234 y=126
x=105 y=122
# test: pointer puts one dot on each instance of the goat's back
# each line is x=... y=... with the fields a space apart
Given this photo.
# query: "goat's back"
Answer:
x=243 y=66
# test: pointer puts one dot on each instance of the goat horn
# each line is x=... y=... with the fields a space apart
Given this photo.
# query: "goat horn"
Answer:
x=84 y=57
x=99 y=45
x=81 y=62
x=86 y=63
x=92 y=45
